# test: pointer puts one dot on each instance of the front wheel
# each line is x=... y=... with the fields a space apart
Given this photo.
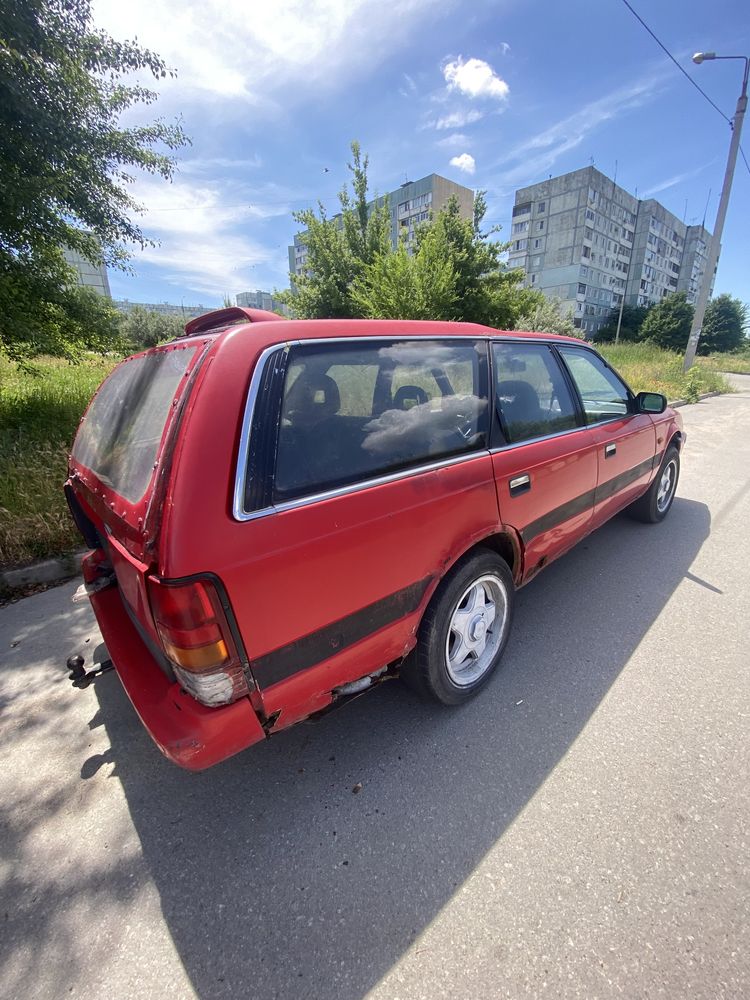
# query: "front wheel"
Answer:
x=464 y=630
x=654 y=505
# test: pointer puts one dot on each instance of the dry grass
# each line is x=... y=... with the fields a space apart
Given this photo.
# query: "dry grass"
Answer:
x=737 y=361
x=648 y=368
x=38 y=417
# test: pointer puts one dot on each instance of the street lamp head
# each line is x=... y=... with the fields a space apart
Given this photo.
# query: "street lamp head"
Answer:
x=700 y=57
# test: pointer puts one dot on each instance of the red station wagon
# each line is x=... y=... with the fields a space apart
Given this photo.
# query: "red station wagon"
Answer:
x=283 y=513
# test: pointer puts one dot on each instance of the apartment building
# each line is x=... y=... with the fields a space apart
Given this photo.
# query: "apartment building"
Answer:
x=411 y=204
x=165 y=308
x=585 y=240
x=89 y=275
x=261 y=300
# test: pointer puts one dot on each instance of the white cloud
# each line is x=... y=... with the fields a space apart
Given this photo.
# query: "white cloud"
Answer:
x=535 y=156
x=458 y=119
x=452 y=140
x=671 y=182
x=504 y=48
x=202 y=232
x=410 y=89
x=465 y=162
x=229 y=49
x=475 y=78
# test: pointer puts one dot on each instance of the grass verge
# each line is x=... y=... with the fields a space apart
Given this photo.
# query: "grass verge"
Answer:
x=648 y=368
x=38 y=417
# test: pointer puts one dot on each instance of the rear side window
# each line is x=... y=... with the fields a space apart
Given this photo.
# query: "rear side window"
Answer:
x=603 y=395
x=354 y=411
x=121 y=432
x=531 y=392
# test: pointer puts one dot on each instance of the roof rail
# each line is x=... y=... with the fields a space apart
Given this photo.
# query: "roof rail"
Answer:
x=227 y=317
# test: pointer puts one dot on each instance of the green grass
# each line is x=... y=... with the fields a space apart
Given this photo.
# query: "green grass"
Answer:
x=648 y=368
x=737 y=361
x=38 y=418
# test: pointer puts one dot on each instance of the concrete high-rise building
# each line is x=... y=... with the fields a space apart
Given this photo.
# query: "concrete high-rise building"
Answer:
x=89 y=275
x=261 y=300
x=585 y=240
x=410 y=204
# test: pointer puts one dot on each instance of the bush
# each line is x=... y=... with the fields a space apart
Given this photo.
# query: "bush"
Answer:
x=668 y=323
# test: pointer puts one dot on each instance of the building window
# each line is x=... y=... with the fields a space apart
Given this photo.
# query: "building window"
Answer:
x=540 y=226
x=536 y=261
x=541 y=207
x=533 y=279
x=520 y=227
x=537 y=244
x=581 y=288
x=586 y=252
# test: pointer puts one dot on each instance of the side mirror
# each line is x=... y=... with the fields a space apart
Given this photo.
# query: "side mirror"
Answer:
x=650 y=402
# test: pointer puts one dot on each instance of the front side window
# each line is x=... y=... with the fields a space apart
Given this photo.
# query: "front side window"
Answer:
x=603 y=394
x=532 y=396
x=354 y=411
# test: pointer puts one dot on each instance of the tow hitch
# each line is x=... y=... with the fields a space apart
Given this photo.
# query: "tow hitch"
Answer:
x=82 y=678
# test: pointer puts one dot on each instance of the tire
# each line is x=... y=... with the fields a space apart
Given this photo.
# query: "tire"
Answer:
x=656 y=502
x=461 y=641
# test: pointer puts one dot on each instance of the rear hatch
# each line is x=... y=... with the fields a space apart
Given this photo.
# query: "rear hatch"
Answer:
x=121 y=456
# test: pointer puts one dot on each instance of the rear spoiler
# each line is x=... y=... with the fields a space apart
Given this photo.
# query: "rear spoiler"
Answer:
x=227 y=317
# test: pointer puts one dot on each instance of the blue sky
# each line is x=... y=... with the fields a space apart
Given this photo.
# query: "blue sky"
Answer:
x=511 y=91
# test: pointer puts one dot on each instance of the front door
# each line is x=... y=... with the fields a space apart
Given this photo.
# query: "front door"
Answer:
x=545 y=464
x=625 y=440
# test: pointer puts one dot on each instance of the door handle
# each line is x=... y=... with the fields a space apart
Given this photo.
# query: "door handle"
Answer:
x=520 y=484
x=610 y=450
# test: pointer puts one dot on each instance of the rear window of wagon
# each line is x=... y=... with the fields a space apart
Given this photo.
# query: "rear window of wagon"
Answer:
x=120 y=435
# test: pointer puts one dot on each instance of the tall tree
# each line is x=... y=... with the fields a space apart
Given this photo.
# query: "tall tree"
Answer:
x=339 y=249
x=668 y=322
x=404 y=285
x=723 y=325
x=65 y=159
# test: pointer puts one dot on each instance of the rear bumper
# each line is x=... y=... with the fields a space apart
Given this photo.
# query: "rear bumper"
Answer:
x=188 y=733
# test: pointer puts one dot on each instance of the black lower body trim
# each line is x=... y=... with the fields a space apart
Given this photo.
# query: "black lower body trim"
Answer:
x=326 y=642
x=588 y=500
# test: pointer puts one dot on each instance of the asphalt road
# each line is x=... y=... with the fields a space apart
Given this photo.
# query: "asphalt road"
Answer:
x=580 y=830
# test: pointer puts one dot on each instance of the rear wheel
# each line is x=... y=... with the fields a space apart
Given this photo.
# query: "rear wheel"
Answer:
x=464 y=630
x=655 y=503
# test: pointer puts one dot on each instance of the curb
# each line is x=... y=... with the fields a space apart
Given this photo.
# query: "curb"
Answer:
x=703 y=395
x=47 y=571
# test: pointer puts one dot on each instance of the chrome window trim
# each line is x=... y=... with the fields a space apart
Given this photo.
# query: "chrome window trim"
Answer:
x=557 y=434
x=489 y=337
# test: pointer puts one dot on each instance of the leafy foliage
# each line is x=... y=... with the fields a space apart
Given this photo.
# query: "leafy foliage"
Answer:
x=339 y=249
x=668 y=323
x=65 y=160
x=42 y=311
x=630 y=329
x=401 y=285
x=143 y=328
x=723 y=325
x=548 y=316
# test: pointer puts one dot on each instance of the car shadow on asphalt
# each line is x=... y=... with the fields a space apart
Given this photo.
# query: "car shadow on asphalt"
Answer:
x=276 y=879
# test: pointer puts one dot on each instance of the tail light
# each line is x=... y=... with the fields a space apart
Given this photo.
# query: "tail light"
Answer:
x=197 y=640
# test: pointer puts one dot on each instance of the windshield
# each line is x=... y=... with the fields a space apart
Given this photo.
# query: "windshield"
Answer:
x=119 y=437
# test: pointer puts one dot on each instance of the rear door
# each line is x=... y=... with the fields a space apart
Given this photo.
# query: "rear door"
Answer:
x=381 y=475
x=544 y=460
x=625 y=440
x=120 y=454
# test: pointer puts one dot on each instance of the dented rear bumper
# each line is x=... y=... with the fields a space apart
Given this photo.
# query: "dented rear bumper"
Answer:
x=188 y=733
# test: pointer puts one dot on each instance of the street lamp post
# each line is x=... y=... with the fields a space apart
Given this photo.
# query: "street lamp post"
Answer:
x=713 y=253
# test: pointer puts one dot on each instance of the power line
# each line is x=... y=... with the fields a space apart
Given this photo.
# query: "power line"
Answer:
x=742 y=152
x=684 y=72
